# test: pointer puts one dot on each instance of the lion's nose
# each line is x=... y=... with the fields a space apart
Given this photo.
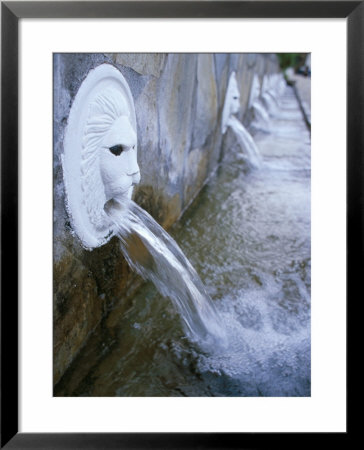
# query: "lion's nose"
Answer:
x=135 y=176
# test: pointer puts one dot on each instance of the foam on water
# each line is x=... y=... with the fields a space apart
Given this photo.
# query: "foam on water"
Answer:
x=269 y=348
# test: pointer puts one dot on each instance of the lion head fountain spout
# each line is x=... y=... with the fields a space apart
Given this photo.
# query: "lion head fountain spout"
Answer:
x=248 y=149
x=100 y=153
x=100 y=170
x=232 y=102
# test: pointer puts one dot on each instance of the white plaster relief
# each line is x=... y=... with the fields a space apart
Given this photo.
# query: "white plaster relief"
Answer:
x=254 y=91
x=100 y=153
x=232 y=101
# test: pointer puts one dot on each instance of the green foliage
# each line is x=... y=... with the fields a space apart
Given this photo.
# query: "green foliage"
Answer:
x=294 y=60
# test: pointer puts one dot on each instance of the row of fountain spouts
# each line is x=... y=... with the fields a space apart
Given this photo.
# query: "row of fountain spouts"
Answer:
x=153 y=254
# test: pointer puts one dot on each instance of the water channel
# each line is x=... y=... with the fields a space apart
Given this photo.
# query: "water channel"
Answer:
x=247 y=234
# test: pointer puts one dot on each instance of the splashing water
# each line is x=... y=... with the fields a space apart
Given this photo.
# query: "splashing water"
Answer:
x=155 y=256
x=271 y=102
x=248 y=236
x=246 y=142
x=262 y=119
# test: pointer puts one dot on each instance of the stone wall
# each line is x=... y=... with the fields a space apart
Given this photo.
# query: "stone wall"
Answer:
x=178 y=101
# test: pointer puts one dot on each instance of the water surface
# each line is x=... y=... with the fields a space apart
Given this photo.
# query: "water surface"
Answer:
x=248 y=236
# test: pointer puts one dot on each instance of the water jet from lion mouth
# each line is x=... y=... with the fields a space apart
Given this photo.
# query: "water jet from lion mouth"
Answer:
x=100 y=171
x=248 y=148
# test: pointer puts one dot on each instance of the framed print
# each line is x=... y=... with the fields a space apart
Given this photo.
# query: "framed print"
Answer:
x=188 y=109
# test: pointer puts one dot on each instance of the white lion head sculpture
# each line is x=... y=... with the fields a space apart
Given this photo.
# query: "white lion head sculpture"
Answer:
x=100 y=153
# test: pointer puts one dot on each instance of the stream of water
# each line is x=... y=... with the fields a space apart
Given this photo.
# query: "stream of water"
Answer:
x=155 y=256
x=249 y=149
x=248 y=236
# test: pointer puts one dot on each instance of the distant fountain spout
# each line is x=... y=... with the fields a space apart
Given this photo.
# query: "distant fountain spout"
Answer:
x=246 y=141
x=261 y=119
x=100 y=170
x=231 y=107
x=271 y=90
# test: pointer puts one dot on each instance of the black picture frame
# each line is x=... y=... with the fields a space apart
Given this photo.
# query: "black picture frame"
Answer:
x=11 y=12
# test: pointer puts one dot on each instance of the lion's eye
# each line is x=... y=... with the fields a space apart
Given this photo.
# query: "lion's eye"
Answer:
x=116 y=150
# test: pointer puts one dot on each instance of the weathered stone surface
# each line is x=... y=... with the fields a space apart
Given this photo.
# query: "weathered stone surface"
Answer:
x=206 y=100
x=85 y=288
x=222 y=71
x=178 y=100
x=176 y=107
x=75 y=296
x=196 y=173
x=143 y=63
x=164 y=208
x=251 y=59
